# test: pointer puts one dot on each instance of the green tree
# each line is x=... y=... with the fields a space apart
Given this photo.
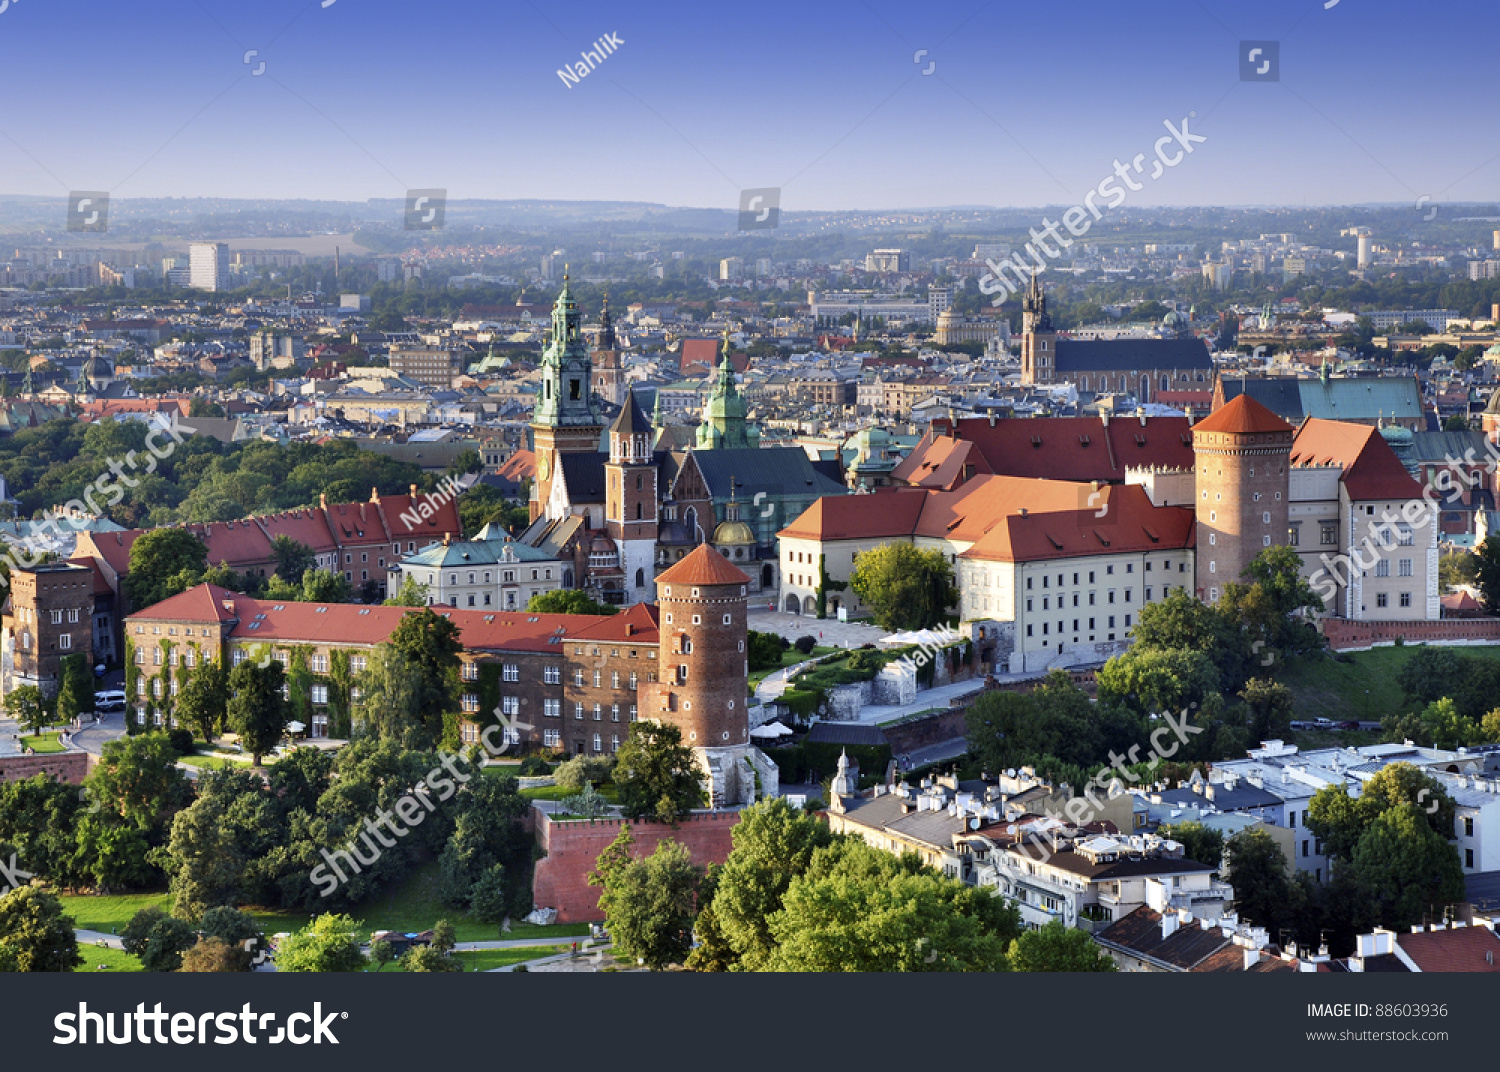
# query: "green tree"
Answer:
x=28 y=707
x=1157 y=682
x=1340 y=821
x=324 y=586
x=1456 y=568
x=764 y=650
x=1430 y=674
x=1058 y=948
x=905 y=588
x=410 y=594
x=489 y=900
x=429 y=958
x=467 y=461
x=567 y=601
x=429 y=646
x=857 y=908
x=163 y=562
x=1257 y=868
x=1487 y=573
x=330 y=943
x=158 y=939
x=381 y=953
x=75 y=694
x=1410 y=871
x=773 y=843
x=292 y=557
x=656 y=776
x=1199 y=842
x=1439 y=725
x=210 y=954
x=203 y=698
x=238 y=930
x=649 y=905
x=138 y=779
x=1269 y=704
x=35 y=935
x=257 y=710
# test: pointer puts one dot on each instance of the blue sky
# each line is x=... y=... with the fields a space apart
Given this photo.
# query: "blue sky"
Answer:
x=1028 y=104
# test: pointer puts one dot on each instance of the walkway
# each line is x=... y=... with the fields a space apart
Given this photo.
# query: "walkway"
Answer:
x=927 y=700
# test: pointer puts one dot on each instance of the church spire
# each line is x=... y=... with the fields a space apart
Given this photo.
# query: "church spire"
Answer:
x=606 y=328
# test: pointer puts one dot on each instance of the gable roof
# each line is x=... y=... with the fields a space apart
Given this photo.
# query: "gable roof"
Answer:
x=1371 y=468
x=1454 y=949
x=1071 y=448
x=1144 y=355
x=885 y=513
x=780 y=472
x=939 y=462
x=703 y=565
x=583 y=476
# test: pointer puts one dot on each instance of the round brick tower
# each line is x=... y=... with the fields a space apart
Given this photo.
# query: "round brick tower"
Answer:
x=701 y=675
x=1241 y=455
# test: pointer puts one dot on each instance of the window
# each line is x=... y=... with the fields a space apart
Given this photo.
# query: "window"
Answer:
x=614 y=746
x=552 y=708
x=357 y=663
x=1468 y=857
x=1304 y=848
x=552 y=738
x=511 y=672
x=468 y=671
x=319 y=664
x=577 y=710
x=1468 y=826
x=1403 y=567
x=1293 y=535
x=1383 y=568
x=1405 y=536
x=614 y=679
x=1406 y=599
x=578 y=678
x=190 y=658
x=598 y=743
x=468 y=702
x=57 y=617
x=319 y=693
x=1328 y=534
x=73 y=614
x=598 y=678
x=1381 y=599
x=614 y=712
x=552 y=675
x=510 y=705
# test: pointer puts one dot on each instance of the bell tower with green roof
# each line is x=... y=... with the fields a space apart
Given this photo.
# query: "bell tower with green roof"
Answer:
x=724 y=416
x=564 y=420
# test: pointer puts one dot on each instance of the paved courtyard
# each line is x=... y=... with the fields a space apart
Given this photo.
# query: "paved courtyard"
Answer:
x=827 y=631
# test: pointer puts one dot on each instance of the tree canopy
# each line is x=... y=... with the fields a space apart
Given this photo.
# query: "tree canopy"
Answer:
x=656 y=775
x=904 y=587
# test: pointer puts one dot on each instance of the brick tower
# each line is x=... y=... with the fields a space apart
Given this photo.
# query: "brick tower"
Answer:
x=1038 y=338
x=564 y=420
x=701 y=676
x=630 y=498
x=51 y=617
x=609 y=377
x=1241 y=453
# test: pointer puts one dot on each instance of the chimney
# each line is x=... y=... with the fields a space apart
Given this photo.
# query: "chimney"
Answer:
x=629 y=629
x=323 y=499
x=1168 y=924
x=1252 y=956
x=413 y=490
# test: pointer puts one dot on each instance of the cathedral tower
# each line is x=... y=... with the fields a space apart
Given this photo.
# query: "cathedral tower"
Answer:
x=724 y=415
x=565 y=420
x=609 y=377
x=630 y=498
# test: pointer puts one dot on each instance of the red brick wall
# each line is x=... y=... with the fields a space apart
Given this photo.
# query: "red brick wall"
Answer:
x=1345 y=634
x=573 y=848
x=71 y=767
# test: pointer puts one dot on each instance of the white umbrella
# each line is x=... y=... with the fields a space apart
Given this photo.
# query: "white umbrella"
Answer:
x=771 y=729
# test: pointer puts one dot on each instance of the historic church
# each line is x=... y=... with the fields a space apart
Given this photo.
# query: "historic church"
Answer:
x=623 y=503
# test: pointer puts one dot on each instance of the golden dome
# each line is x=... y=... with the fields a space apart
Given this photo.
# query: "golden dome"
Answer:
x=730 y=532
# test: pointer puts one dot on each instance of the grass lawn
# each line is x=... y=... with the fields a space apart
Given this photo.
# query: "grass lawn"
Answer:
x=557 y=792
x=44 y=743
x=1364 y=688
x=110 y=960
x=790 y=657
x=110 y=912
x=489 y=959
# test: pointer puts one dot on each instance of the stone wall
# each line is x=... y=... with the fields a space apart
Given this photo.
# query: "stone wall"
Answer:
x=573 y=846
x=844 y=701
x=1346 y=634
x=895 y=684
x=70 y=767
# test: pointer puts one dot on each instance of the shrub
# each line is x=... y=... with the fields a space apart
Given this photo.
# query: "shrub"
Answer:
x=181 y=741
x=574 y=773
x=805 y=644
x=535 y=767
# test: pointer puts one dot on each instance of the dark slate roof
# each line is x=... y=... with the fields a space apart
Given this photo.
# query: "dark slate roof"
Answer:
x=584 y=474
x=1440 y=446
x=1242 y=797
x=845 y=733
x=1279 y=394
x=1185 y=948
x=831 y=469
x=632 y=419
x=777 y=471
x=1109 y=355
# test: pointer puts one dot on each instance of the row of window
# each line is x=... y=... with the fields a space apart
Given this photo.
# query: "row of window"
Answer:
x=553 y=739
x=1046 y=626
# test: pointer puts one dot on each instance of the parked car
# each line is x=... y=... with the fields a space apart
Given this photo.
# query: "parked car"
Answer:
x=1323 y=723
x=1349 y=724
x=109 y=700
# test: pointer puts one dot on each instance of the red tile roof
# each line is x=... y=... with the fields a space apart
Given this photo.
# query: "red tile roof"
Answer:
x=703 y=566
x=351 y=624
x=1371 y=468
x=1242 y=416
x=1466 y=949
x=940 y=462
x=1077 y=448
x=519 y=466
x=1007 y=518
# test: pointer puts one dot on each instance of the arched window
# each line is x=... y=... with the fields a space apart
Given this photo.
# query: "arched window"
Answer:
x=640 y=578
x=638 y=511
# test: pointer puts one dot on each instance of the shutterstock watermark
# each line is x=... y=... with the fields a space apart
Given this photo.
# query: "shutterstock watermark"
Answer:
x=12 y=875
x=1170 y=150
x=409 y=811
x=189 y=1029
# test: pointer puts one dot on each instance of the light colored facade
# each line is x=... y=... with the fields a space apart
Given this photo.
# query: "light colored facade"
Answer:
x=208 y=265
x=480 y=574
